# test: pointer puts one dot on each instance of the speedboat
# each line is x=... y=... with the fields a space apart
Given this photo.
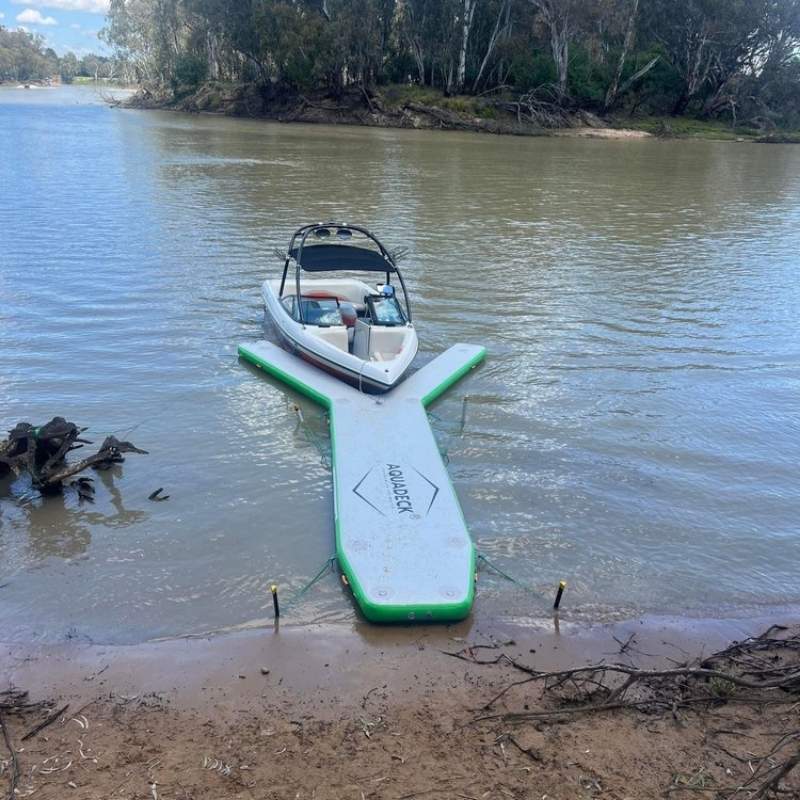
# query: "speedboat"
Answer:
x=359 y=333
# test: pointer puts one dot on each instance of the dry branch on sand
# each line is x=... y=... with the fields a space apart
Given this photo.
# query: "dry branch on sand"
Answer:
x=42 y=453
x=14 y=701
x=760 y=671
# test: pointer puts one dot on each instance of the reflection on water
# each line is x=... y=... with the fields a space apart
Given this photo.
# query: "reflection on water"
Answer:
x=61 y=525
x=633 y=431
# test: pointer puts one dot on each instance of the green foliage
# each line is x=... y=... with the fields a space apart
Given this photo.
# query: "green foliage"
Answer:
x=69 y=67
x=396 y=95
x=24 y=57
x=671 y=127
x=735 y=60
x=190 y=69
x=530 y=69
x=588 y=79
x=485 y=111
x=721 y=688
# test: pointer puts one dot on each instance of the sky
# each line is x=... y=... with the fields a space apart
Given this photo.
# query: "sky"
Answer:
x=65 y=24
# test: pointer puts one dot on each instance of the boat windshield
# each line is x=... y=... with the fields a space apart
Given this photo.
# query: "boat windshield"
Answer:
x=386 y=311
x=321 y=311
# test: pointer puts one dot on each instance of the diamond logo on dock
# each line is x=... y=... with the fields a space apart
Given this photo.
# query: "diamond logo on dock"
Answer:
x=397 y=490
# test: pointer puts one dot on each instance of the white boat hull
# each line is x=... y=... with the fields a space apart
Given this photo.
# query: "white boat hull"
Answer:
x=305 y=341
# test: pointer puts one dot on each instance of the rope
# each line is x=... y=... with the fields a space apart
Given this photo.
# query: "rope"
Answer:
x=360 y=374
x=163 y=409
x=443 y=452
x=299 y=594
x=312 y=439
x=508 y=577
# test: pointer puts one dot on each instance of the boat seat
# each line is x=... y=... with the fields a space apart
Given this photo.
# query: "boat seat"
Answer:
x=349 y=318
x=320 y=295
x=337 y=336
x=385 y=343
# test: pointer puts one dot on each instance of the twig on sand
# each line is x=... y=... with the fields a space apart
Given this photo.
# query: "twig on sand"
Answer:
x=12 y=784
x=779 y=772
x=42 y=725
x=763 y=781
x=760 y=671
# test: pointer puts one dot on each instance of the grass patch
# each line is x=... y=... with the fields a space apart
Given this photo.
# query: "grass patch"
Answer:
x=780 y=137
x=397 y=95
x=687 y=128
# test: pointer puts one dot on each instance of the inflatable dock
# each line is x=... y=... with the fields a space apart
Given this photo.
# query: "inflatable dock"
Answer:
x=401 y=540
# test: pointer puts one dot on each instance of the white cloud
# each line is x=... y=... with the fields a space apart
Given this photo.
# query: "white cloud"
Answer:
x=91 y=6
x=2 y=15
x=34 y=17
x=75 y=26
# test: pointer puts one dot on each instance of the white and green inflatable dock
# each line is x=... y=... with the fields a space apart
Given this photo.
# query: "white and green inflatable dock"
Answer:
x=401 y=540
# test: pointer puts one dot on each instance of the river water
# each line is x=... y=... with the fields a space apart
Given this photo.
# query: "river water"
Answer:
x=634 y=429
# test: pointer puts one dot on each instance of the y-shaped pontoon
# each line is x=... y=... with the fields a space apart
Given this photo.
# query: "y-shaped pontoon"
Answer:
x=401 y=540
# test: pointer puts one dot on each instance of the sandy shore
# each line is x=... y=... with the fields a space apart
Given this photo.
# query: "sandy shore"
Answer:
x=372 y=713
x=604 y=133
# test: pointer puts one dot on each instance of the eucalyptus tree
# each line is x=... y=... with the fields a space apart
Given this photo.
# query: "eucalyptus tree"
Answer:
x=560 y=18
x=704 y=56
x=628 y=21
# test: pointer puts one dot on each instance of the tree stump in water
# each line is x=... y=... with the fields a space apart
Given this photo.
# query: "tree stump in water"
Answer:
x=42 y=453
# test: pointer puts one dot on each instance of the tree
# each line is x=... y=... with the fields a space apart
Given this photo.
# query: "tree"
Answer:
x=69 y=67
x=467 y=15
x=501 y=30
x=558 y=16
x=709 y=57
x=617 y=87
x=689 y=32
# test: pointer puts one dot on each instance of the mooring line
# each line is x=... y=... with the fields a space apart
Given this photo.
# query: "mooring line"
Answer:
x=328 y=565
x=311 y=437
x=511 y=578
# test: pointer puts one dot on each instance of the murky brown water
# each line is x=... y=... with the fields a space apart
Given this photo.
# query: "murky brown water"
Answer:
x=635 y=429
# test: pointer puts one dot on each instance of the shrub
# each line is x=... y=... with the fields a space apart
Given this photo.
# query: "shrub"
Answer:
x=190 y=69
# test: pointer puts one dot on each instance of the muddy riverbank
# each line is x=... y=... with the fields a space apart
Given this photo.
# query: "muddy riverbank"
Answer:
x=394 y=107
x=409 y=712
x=412 y=107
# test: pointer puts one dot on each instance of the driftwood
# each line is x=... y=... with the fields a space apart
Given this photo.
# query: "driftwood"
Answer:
x=446 y=119
x=42 y=453
x=14 y=701
x=532 y=108
x=14 y=772
x=758 y=671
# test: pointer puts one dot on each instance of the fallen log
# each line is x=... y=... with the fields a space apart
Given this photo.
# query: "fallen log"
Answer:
x=42 y=453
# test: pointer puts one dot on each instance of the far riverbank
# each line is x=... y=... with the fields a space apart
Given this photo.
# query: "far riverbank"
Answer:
x=413 y=107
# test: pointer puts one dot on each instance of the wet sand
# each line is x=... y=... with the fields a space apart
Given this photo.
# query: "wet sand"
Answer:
x=319 y=712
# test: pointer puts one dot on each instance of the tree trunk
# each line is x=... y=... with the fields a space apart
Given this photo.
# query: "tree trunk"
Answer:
x=681 y=104
x=500 y=29
x=696 y=72
x=469 y=13
x=419 y=59
x=560 y=45
x=638 y=74
x=613 y=90
x=556 y=16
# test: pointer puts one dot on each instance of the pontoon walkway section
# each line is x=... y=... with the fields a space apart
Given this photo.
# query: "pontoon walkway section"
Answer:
x=401 y=540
